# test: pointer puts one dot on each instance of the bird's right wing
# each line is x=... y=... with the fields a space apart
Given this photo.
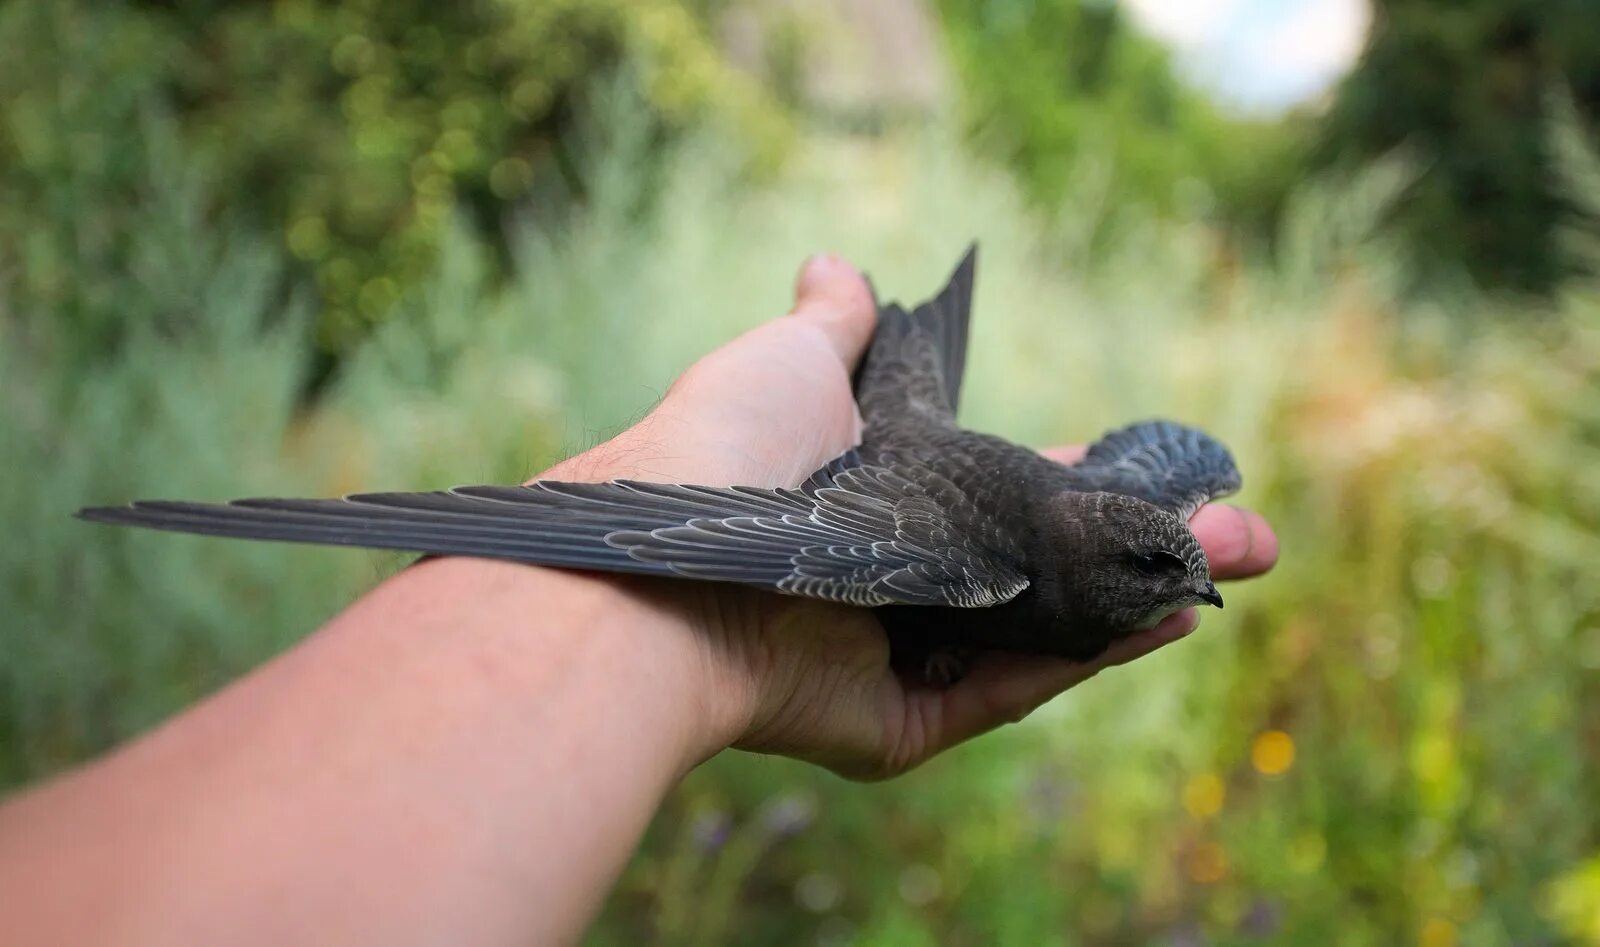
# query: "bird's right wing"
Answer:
x=862 y=534
x=1175 y=467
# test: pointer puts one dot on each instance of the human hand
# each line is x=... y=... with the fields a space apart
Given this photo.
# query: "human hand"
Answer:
x=812 y=679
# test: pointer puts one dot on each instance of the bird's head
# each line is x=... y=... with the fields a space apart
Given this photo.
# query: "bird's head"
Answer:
x=1124 y=564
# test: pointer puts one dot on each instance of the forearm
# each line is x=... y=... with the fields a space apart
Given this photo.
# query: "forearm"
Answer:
x=467 y=755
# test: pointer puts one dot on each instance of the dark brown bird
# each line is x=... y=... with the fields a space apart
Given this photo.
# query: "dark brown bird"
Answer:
x=961 y=540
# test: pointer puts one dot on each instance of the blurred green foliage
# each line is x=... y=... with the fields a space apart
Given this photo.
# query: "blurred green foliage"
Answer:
x=1388 y=740
x=354 y=130
x=1048 y=83
x=1464 y=86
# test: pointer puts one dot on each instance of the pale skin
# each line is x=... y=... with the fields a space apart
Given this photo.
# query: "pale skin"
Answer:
x=469 y=753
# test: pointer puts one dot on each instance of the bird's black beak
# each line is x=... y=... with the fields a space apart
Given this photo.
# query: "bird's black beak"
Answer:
x=1210 y=595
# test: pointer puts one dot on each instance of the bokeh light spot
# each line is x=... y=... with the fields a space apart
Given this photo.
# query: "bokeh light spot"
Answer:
x=1307 y=852
x=509 y=177
x=308 y=238
x=818 y=892
x=1438 y=932
x=1204 y=795
x=354 y=55
x=920 y=885
x=1208 y=863
x=1272 y=753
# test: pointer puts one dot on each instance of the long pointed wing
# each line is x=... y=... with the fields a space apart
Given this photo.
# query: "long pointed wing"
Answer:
x=1175 y=467
x=865 y=535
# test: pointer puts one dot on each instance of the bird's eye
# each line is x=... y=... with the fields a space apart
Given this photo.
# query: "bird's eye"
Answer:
x=1159 y=564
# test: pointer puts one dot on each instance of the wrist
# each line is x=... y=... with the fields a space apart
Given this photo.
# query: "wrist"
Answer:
x=646 y=648
x=701 y=629
x=675 y=636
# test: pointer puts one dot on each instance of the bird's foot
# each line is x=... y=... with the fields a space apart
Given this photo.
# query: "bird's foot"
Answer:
x=946 y=666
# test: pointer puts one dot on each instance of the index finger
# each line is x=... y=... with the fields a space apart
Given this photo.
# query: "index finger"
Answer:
x=1005 y=687
x=1238 y=542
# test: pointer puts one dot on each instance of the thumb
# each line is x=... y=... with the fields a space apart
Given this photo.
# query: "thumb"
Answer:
x=833 y=295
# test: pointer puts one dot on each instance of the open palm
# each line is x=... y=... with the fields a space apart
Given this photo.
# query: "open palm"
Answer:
x=769 y=408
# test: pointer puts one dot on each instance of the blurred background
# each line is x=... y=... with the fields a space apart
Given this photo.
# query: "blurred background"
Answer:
x=301 y=247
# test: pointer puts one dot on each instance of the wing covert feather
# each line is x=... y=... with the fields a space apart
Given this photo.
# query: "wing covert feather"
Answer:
x=1175 y=467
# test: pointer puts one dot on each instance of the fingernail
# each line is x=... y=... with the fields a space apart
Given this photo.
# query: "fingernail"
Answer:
x=817 y=270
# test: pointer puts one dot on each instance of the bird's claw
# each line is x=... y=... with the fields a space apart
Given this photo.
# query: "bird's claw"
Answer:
x=945 y=667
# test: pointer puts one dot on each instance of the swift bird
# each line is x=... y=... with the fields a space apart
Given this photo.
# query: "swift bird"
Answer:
x=960 y=540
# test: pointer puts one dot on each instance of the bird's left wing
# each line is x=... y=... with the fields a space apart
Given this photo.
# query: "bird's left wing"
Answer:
x=1175 y=467
x=862 y=534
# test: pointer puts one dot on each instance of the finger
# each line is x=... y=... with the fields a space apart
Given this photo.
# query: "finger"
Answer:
x=1238 y=542
x=1066 y=453
x=1140 y=643
x=1004 y=687
x=831 y=294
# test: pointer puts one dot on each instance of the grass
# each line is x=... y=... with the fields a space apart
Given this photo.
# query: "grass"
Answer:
x=1393 y=738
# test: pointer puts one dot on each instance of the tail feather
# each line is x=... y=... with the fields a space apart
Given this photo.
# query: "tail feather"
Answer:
x=947 y=317
x=920 y=356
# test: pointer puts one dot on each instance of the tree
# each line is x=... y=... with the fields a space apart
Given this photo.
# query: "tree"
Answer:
x=1464 y=84
x=1046 y=82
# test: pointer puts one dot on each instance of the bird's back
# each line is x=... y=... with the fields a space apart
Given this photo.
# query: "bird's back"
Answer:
x=909 y=387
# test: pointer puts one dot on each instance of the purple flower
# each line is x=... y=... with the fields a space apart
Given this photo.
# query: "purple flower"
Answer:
x=1047 y=795
x=788 y=815
x=1262 y=920
x=710 y=830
